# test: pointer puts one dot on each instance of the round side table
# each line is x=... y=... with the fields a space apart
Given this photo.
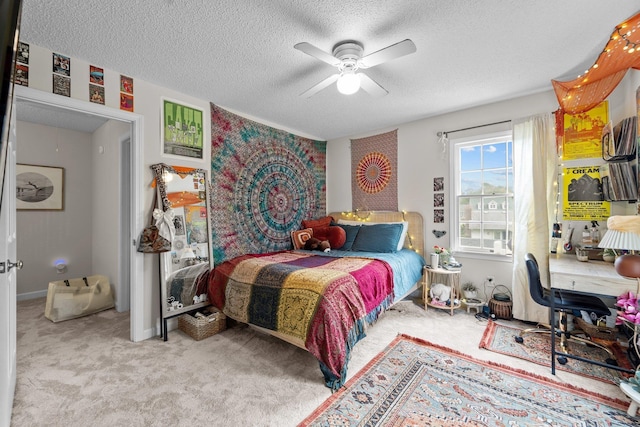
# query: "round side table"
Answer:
x=450 y=278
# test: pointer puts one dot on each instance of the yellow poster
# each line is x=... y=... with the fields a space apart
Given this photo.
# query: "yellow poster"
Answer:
x=582 y=200
x=583 y=133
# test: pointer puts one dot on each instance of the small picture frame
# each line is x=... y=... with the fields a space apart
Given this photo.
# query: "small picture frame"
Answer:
x=39 y=188
x=438 y=183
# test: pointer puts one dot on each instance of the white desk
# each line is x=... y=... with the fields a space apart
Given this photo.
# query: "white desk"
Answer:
x=597 y=277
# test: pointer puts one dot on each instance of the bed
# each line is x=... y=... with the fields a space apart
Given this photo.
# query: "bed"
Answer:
x=322 y=302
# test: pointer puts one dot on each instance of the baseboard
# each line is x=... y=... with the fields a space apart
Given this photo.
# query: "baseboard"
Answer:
x=32 y=295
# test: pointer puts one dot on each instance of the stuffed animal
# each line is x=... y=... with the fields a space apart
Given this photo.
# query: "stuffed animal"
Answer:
x=440 y=292
x=314 y=244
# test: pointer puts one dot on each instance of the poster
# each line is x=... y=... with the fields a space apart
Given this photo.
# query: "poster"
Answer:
x=182 y=129
x=582 y=195
x=583 y=133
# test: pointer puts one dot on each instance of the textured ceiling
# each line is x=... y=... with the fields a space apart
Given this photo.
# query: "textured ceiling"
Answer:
x=240 y=55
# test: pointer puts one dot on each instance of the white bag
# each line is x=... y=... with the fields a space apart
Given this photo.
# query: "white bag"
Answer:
x=69 y=299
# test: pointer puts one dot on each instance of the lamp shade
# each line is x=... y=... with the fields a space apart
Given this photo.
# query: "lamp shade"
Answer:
x=623 y=233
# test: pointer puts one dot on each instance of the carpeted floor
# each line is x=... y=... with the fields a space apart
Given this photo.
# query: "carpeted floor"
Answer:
x=536 y=347
x=86 y=371
x=415 y=383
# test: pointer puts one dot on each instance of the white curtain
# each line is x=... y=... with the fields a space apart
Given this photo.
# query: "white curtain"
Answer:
x=535 y=171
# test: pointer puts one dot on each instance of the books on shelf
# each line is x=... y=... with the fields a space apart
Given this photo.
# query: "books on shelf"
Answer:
x=619 y=141
x=619 y=176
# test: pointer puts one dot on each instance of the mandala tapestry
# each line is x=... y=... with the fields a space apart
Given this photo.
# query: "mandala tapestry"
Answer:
x=374 y=181
x=264 y=182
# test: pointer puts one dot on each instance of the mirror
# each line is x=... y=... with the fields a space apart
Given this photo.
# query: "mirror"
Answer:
x=183 y=196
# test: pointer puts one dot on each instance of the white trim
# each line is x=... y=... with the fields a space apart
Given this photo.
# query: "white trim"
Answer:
x=137 y=332
x=454 y=189
x=31 y=295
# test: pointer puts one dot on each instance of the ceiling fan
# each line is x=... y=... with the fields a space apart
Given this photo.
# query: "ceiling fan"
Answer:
x=347 y=57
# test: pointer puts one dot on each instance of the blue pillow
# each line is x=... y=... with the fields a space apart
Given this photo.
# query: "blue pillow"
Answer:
x=378 y=238
x=352 y=232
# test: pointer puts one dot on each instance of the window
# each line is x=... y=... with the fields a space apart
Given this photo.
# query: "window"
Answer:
x=482 y=176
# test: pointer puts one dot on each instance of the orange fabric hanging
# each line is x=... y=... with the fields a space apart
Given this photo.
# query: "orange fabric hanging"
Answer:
x=621 y=52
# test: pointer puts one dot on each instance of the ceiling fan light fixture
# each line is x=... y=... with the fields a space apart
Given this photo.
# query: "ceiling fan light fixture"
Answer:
x=348 y=83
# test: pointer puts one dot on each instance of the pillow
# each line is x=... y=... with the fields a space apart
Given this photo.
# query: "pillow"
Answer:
x=351 y=231
x=378 y=238
x=335 y=235
x=300 y=236
x=320 y=222
x=403 y=236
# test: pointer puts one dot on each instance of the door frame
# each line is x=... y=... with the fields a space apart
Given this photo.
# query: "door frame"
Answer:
x=136 y=272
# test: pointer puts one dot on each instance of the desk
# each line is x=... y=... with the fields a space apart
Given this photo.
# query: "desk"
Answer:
x=596 y=277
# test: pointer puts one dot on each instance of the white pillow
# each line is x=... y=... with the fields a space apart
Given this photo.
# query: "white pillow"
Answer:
x=403 y=235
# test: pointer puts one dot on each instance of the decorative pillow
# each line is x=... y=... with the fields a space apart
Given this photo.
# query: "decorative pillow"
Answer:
x=300 y=236
x=351 y=231
x=334 y=234
x=315 y=223
x=403 y=236
x=378 y=238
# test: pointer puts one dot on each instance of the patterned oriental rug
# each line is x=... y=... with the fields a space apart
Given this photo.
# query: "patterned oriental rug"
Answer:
x=536 y=348
x=413 y=382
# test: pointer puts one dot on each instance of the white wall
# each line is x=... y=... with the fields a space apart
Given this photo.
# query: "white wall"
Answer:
x=420 y=159
x=44 y=236
x=106 y=188
x=418 y=155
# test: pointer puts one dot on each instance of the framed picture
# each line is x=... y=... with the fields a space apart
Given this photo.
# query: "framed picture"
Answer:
x=39 y=187
x=182 y=129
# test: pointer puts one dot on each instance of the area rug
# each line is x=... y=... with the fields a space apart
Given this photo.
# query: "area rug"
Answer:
x=536 y=348
x=414 y=382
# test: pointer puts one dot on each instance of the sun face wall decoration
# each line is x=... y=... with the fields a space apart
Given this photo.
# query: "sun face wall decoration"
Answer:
x=374 y=183
x=264 y=181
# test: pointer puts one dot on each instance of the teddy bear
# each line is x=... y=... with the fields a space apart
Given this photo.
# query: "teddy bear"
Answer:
x=314 y=244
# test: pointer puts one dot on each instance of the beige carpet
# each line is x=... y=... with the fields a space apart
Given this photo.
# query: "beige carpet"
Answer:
x=86 y=371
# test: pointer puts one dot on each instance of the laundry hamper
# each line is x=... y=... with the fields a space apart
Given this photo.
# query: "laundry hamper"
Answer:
x=72 y=298
x=500 y=303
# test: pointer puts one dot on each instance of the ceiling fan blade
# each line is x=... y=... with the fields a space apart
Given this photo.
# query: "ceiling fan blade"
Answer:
x=318 y=53
x=371 y=87
x=322 y=85
x=394 y=51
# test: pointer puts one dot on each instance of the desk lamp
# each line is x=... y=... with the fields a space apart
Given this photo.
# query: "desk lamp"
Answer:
x=623 y=233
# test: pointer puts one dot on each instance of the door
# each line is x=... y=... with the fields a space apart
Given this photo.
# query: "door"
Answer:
x=8 y=282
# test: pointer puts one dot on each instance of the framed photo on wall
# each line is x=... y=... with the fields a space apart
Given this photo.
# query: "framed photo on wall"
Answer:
x=182 y=129
x=39 y=187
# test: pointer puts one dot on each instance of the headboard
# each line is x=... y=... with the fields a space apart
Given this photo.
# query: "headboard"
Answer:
x=415 y=233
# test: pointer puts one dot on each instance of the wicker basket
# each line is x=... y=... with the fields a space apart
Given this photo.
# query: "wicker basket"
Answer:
x=501 y=306
x=598 y=332
x=198 y=328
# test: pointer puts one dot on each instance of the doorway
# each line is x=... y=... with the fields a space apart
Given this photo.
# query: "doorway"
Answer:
x=129 y=259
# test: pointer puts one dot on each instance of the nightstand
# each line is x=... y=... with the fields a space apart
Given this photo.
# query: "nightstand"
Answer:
x=450 y=278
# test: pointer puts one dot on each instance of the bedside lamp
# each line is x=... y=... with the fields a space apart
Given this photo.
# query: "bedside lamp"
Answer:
x=623 y=233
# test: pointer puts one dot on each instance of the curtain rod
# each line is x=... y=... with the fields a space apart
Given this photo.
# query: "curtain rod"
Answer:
x=473 y=127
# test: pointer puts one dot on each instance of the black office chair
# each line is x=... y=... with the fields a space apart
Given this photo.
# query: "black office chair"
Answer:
x=563 y=301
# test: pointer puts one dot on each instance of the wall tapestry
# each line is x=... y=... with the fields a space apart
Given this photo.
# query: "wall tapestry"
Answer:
x=264 y=182
x=374 y=179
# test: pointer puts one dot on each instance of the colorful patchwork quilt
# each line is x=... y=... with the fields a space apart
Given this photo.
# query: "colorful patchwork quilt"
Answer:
x=317 y=302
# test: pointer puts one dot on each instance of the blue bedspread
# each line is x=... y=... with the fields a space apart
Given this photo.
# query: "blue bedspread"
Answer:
x=406 y=265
